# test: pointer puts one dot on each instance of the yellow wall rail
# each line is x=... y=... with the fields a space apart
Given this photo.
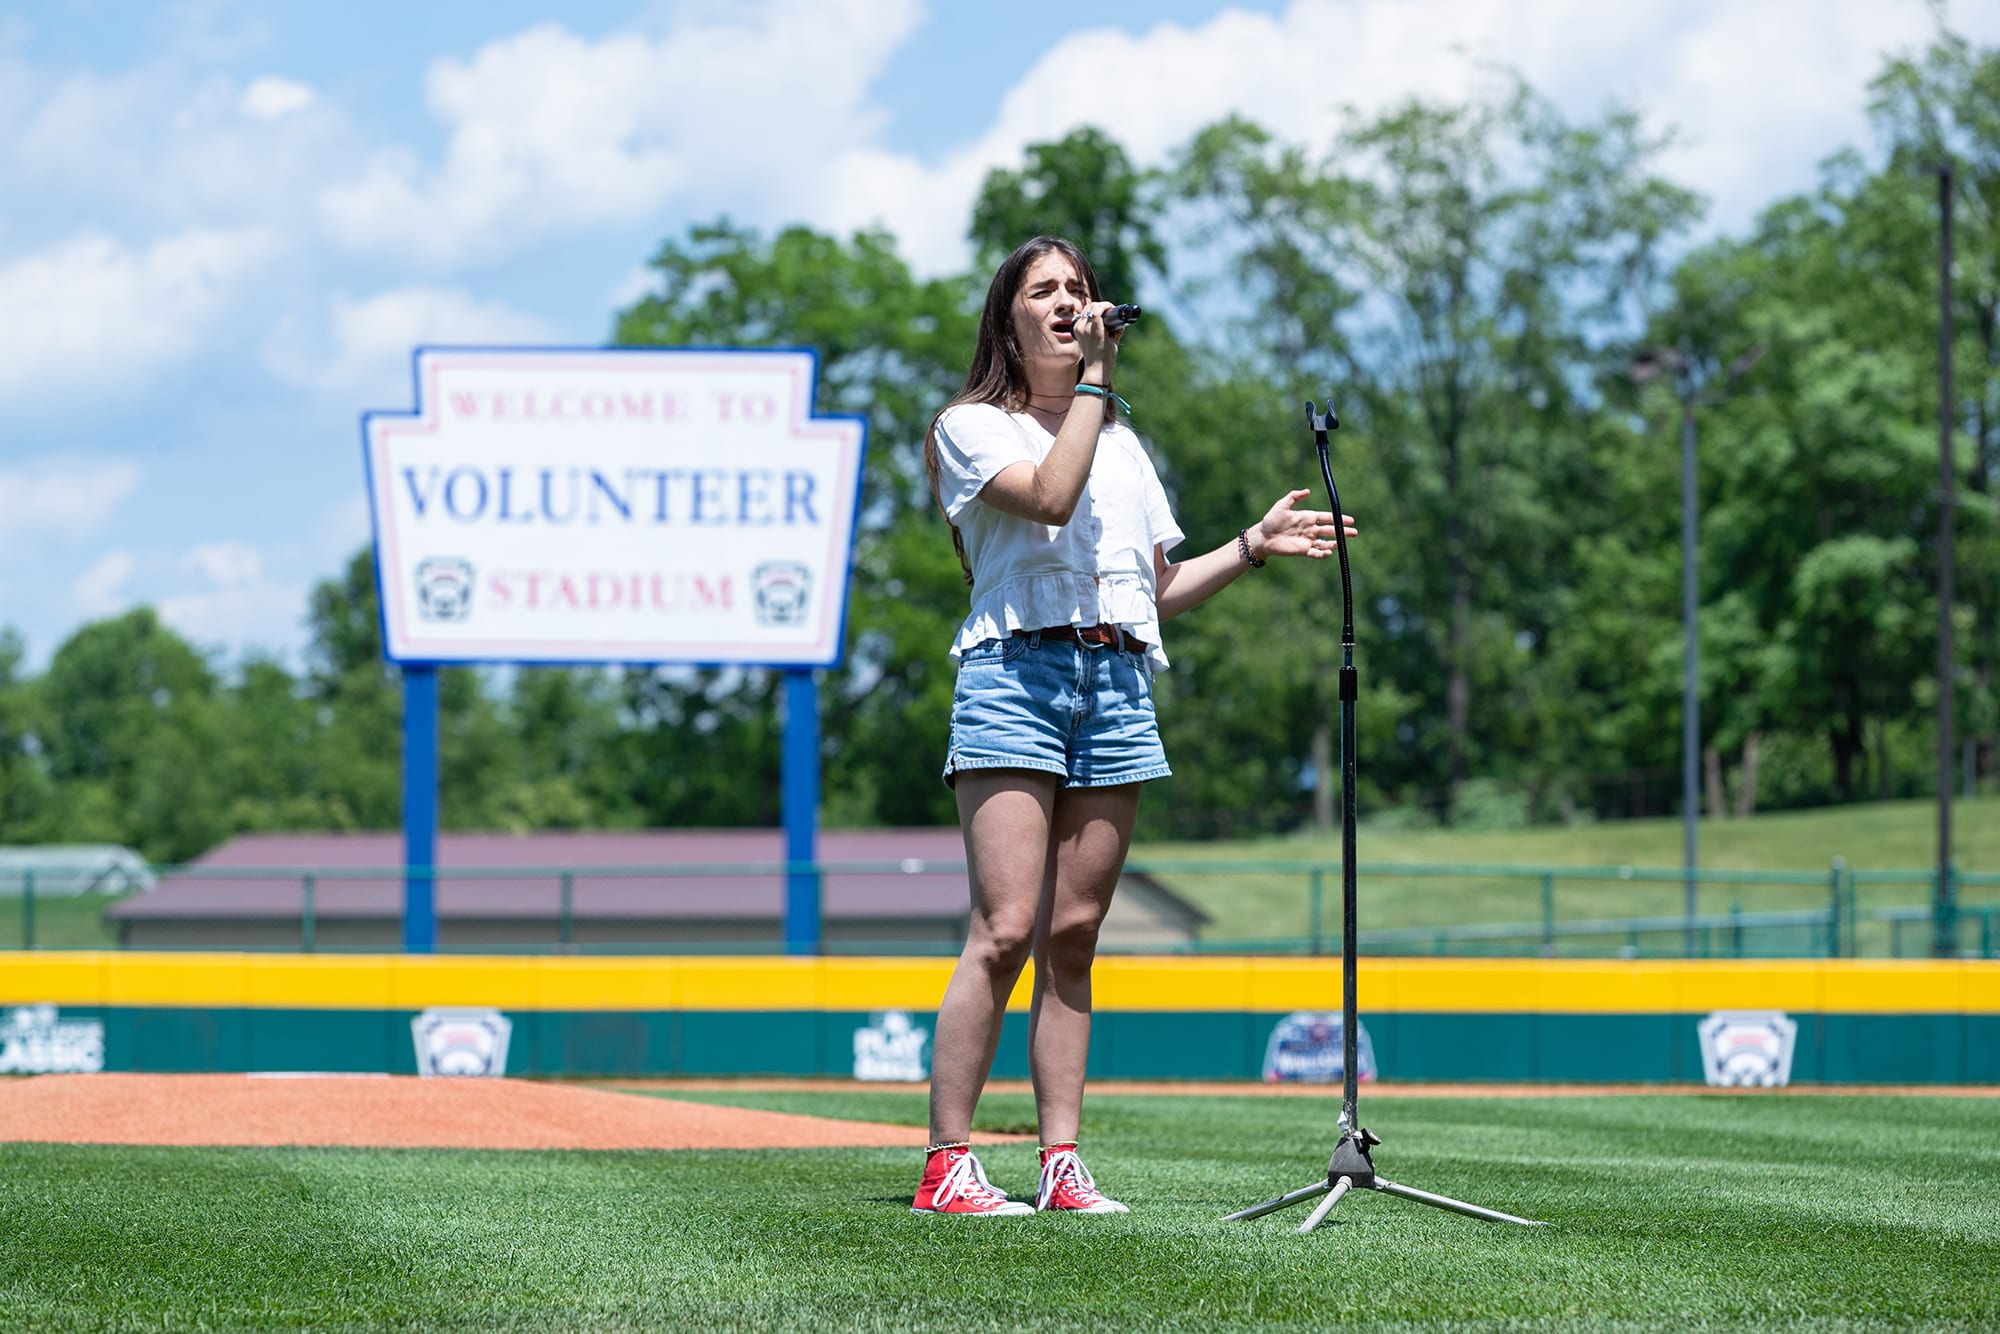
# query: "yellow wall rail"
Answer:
x=1122 y=983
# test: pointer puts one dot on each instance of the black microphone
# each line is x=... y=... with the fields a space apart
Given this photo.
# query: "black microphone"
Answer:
x=1118 y=317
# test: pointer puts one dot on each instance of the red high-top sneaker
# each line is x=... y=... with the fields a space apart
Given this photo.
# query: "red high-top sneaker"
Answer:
x=1066 y=1184
x=955 y=1183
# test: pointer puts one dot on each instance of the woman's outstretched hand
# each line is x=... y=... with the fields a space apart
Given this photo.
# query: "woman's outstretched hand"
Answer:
x=1286 y=531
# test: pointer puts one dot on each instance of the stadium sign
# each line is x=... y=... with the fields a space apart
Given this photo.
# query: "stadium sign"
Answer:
x=613 y=506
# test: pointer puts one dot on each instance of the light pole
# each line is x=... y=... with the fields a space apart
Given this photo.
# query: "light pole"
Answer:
x=1691 y=382
x=1945 y=939
x=1690 y=652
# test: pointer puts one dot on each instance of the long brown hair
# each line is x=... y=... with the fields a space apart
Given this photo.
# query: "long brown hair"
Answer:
x=998 y=375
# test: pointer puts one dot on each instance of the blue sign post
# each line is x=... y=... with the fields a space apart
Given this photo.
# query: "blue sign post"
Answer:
x=629 y=506
x=420 y=807
x=800 y=784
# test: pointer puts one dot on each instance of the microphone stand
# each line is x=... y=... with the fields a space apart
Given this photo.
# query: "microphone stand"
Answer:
x=1350 y=1165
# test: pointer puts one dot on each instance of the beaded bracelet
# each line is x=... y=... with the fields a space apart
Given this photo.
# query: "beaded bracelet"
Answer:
x=1243 y=545
x=1104 y=391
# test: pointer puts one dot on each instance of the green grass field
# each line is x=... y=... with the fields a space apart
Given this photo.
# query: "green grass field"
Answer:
x=1683 y=1212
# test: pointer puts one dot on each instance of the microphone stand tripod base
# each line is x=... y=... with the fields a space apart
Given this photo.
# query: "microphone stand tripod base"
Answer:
x=1351 y=1166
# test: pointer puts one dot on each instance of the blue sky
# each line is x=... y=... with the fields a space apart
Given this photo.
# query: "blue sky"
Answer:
x=224 y=225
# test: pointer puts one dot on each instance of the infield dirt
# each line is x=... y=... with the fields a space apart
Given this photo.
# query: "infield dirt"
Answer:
x=404 y=1112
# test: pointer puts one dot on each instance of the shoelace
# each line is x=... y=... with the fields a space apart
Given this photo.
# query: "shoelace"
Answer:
x=1065 y=1165
x=979 y=1170
x=967 y=1179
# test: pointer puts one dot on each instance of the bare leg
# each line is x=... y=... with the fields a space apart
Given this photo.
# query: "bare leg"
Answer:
x=1092 y=829
x=1006 y=817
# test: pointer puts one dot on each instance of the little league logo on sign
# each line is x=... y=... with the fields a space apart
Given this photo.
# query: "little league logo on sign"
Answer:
x=1306 y=1047
x=621 y=505
x=444 y=589
x=782 y=588
x=461 y=1042
x=36 y=1040
x=1748 y=1048
x=891 y=1048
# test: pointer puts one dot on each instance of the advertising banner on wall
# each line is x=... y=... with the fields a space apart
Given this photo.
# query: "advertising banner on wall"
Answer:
x=891 y=1047
x=1309 y=1047
x=623 y=505
x=459 y=1040
x=37 y=1040
x=1748 y=1048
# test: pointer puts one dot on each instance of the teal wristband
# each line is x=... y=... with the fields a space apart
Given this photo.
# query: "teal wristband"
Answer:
x=1099 y=391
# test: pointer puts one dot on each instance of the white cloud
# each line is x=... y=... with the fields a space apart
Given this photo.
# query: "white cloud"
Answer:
x=57 y=499
x=367 y=344
x=343 y=528
x=239 y=596
x=640 y=281
x=167 y=145
x=91 y=312
x=100 y=590
x=53 y=120
x=273 y=98
x=214 y=594
x=551 y=133
x=261 y=612
x=1764 y=93
x=1760 y=92
x=230 y=564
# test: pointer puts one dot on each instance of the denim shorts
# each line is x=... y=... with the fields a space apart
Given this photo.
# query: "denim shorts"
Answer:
x=1083 y=712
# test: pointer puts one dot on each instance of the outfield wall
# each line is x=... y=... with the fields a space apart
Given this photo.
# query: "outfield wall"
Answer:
x=1859 y=1021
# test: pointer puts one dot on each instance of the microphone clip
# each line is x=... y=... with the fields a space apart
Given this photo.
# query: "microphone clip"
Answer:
x=1321 y=422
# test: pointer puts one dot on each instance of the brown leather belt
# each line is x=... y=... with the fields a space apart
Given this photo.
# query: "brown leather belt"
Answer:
x=1106 y=636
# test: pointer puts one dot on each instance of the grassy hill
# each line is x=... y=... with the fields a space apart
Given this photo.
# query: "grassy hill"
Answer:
x=1252 y=902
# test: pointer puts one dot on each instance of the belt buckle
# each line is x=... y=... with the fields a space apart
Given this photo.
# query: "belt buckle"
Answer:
x=1096 y=634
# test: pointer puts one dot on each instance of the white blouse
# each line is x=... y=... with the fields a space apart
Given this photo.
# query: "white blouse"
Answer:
x=1095 y=569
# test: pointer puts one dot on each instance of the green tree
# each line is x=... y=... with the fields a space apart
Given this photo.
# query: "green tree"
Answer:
x=129 y=722
x=1943 y=105
x=1849 y=638
x=27 y=798
x=357 y=698
x=269 y=750
x=1082 y=187
x=1812 y=474
x=1507 y=248
x=1267 y=215
x=1502 y=251
x=567 y=728
x=703 y=746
